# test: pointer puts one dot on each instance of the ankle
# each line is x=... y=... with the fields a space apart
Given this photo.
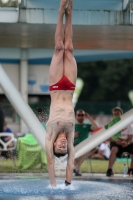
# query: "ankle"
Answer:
x=68 y=12
x=61 y=12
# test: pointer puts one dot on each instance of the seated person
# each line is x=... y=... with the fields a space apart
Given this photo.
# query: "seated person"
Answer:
x=120 y=142
x=7 y=130
x=1 y=119
x=6 y=139
x=102 y=152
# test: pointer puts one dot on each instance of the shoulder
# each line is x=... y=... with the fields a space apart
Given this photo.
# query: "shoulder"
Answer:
x=103 y=145
x=129 y=126
x=89 y=126
x=86 y=125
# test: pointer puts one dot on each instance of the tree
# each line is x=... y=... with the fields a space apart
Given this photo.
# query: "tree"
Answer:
x=106 y=80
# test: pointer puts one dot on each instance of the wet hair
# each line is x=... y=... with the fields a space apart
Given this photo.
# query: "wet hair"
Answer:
x=58 y=155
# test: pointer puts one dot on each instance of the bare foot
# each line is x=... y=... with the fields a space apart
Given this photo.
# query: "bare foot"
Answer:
x=69 y=7
x=63 y=5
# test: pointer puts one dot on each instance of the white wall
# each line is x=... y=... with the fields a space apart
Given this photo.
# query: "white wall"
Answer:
x=38 y=78
x=12 y=71
x=38 y=75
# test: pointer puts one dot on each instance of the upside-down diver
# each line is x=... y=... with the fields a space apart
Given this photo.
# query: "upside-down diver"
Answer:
x=62 y=79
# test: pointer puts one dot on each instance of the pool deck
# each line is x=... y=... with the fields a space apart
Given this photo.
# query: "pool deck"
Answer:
x=102 y=176
x=45 y=175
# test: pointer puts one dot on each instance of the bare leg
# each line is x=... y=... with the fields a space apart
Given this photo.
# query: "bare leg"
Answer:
x=68 y=27
x=78 y=162
x=91 y=153
x=112 y=158
x=70 y=66
x=56 y=66
x=98 y=156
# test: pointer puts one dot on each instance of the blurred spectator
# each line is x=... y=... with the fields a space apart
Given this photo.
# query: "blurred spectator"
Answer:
x=120 y=142
x=1 y=122
x=6 y=129
x=102 y=152
x=1 y=119
x=81 y=133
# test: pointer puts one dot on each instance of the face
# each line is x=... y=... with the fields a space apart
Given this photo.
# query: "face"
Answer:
x=60 y=145
x=117 y=113
x=80 y=115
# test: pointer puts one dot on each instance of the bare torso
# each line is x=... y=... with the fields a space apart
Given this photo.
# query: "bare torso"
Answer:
x=61 y=113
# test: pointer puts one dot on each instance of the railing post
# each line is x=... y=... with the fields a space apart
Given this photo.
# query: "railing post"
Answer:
x=24 y=3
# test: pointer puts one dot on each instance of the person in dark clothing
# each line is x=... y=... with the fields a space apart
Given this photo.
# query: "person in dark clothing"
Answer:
x=1 y=122
x=1 y=119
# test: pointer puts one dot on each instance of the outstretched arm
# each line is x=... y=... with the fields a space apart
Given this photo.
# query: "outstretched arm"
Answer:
x=70 y=160
x=50 y=154
x=50 y=160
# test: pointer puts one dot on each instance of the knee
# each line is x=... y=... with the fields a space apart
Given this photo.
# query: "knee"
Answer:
x=114 y=150
x=69 y=52
x=59 y=48
x=69 y=49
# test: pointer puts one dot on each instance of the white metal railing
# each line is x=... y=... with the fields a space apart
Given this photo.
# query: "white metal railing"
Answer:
x=5 y=144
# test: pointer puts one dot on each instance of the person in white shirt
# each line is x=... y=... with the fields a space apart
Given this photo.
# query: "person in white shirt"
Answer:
x=102 y=152
x=121 y=142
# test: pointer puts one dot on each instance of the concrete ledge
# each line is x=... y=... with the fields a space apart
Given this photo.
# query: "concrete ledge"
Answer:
x=9 y=15
x=80 y=17
x=44 y=16
x=102 y=176
x=78 y=4
x=45 y=175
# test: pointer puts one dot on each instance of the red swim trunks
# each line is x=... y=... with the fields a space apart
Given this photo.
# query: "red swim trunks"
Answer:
x=63 y=84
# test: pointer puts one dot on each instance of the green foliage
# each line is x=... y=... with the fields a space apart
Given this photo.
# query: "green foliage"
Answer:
x=9 y=4
x=6 y=166
x=106 y=80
